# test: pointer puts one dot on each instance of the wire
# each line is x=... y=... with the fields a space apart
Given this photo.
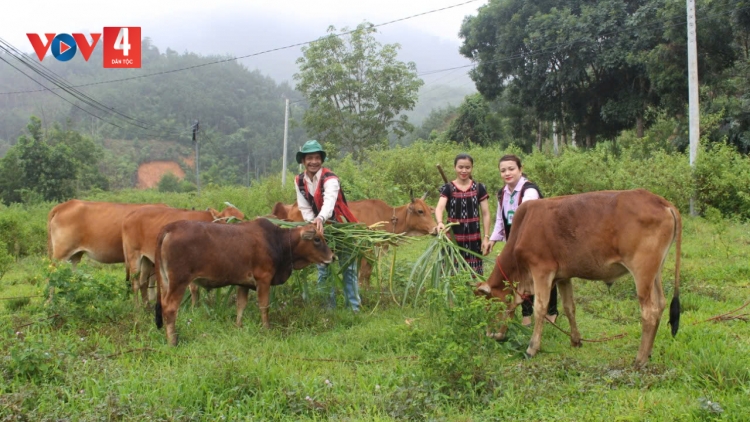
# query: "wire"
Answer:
x=61 y=97
x=61 y=83
x=247 y=55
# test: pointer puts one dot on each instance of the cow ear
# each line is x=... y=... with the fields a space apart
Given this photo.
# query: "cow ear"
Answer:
x=308 y=234
x=411 y=195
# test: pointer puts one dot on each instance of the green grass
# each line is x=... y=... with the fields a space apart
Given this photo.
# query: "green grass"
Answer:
x=386 y=363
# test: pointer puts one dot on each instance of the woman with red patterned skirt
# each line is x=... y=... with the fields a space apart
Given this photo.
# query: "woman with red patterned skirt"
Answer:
x=466 y=203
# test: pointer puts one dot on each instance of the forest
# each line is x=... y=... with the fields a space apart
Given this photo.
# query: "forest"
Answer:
x=575 y=73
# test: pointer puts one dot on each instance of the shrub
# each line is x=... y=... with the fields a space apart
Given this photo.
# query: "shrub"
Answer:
x=455 y=356
x=80 y=295
x=722 y=177
x=169 y=183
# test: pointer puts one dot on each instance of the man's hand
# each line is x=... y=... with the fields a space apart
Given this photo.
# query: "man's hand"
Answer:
x=318 y=224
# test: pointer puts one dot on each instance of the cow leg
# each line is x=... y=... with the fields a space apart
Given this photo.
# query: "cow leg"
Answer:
x=566 y=291
x=195 y=294
x=242 y=292
x=542 y=286
x=651 y=297
x=146 y=270
x=504 y=317
x=170 y=305
x=264 y=293
x=365 y=271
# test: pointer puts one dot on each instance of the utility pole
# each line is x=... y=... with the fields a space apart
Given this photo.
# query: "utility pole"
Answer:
x=196 y=127
x=693 y=91
x=286 y=131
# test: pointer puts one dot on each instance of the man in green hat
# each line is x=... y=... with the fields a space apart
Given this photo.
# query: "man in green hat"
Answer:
x=320 y=198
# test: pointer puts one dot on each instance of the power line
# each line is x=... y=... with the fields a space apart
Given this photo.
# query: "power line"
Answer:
x=252 y=54
x=61 y=83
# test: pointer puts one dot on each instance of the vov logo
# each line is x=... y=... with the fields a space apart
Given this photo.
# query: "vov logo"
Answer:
x=64 y=46
x=122 y=46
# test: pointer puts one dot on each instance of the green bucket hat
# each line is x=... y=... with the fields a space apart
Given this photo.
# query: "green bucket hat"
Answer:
x=310 y=147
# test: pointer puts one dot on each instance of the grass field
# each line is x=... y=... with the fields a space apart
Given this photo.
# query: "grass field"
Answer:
x=91 y=356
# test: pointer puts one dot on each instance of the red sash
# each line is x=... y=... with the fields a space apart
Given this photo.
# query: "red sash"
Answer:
x=341 y=210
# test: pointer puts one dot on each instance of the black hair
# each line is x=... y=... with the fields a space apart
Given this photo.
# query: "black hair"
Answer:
x=463 y=156
x=510 y=157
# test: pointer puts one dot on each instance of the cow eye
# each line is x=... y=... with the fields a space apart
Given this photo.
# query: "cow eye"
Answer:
x=420 y=212
x=316 y=239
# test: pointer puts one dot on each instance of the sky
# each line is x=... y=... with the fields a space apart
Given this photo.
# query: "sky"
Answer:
x=48 y=16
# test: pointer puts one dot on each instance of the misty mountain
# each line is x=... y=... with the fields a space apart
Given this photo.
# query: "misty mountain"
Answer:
x=241 y=34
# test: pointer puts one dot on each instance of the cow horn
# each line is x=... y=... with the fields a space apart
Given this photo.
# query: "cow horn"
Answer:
x=411 y=195
x=484 y=288
x=425 y=195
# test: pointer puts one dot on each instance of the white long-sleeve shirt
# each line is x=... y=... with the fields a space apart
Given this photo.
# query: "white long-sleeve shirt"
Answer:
x=330 y=193
x=509 y=208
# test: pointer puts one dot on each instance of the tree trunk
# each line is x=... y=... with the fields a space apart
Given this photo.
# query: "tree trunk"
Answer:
x=639 y=126
x=554 y=138
x=539 y=135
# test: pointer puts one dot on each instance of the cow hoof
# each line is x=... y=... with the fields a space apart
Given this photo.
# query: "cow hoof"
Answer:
x=576 y=343
x=530 y=353
x=497 y=336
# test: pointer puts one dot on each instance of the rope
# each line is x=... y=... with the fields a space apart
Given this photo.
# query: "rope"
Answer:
x=725 y=316
x=601 y=340
x=34 y=322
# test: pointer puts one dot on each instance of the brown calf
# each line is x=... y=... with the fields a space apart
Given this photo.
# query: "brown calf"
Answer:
x=140 y=230
x=251 y=255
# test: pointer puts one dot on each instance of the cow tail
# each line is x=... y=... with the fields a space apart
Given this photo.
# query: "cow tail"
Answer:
x=674 y=307
x=158 y=318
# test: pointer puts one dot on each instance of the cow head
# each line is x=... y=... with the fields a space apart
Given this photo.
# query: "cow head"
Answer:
x=311 y=248
x=497 y=286
x=280 y=211
x=287 y=212
x=228 y=212
x=419 y=219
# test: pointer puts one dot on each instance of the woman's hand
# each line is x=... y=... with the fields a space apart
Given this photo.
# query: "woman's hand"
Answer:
x=487 y=246
x=440 y=227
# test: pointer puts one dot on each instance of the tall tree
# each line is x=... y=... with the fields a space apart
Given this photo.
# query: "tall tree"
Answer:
x=356 y=89
x=33 y=165
x=595 y=67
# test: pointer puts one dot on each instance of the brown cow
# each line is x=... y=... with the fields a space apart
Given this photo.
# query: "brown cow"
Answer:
x=594 y=236
x=80 y=227
x=412 y=219
x=140 y=230
x=287 y=212
x=254 y=255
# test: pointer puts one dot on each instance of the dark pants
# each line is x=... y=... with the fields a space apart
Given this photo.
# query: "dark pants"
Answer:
x=527 y=306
